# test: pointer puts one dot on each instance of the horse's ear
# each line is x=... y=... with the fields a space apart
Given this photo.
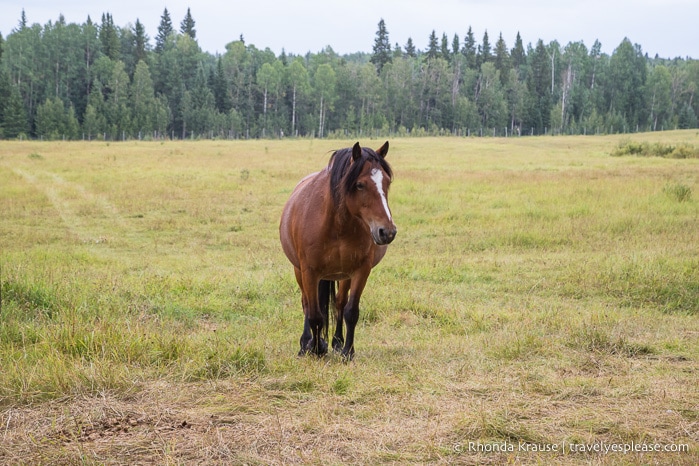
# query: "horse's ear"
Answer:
x=383 y=150
x=356 y=152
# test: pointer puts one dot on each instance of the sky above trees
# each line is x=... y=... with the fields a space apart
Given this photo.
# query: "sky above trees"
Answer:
x=663 y=27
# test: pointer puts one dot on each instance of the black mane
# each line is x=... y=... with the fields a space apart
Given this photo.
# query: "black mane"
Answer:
x=344 y=173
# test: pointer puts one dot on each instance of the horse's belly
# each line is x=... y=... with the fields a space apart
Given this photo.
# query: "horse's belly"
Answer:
x=336 y=276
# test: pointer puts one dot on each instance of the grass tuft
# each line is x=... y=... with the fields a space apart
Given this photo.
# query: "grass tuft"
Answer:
x=645 y=149
x=678 y=191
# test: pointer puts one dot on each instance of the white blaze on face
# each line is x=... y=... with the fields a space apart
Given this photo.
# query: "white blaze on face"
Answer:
x=377 y=177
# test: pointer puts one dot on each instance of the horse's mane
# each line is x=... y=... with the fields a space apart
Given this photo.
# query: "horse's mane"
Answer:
x=344 y=173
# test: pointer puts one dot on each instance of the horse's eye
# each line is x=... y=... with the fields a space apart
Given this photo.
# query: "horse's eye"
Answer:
x=360 y=186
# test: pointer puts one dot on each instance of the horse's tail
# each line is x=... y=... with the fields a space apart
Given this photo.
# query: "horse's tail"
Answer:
x=326 y=296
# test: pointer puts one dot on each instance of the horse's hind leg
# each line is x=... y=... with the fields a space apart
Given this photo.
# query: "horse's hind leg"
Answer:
x=340 y=303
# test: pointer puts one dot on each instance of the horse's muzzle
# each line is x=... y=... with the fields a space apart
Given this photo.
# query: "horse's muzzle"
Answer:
x=383 y=236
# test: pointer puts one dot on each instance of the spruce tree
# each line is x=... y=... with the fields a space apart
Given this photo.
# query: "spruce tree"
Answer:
x=164 y=30
x=15 y=120
x=455 y=45
x=382 y=48
x=410 y=48
x=5 y=90
x=22 y=21
x=432 y=46
x=469 y=49
x=486 y=54
x=502 y=59
x=519 y=57
x=220 y=89
x=444 y=48
x=140 y=41
x=109 y=37
x=187 y=25
x=539 y=87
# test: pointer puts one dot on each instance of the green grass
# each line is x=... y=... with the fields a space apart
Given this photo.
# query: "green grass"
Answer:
x=539 y=290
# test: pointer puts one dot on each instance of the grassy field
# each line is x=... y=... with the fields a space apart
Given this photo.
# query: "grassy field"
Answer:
x=540 y=304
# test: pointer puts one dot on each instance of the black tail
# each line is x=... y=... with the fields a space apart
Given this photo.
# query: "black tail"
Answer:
x=326 y=296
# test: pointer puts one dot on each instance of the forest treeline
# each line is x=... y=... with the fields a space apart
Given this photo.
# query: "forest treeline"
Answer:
x=101 y=81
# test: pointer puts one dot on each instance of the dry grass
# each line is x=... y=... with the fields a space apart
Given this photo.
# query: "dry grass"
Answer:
x=539 y=293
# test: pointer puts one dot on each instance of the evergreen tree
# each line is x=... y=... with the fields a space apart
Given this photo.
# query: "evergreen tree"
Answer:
x=502 y=60
x=444 y=48
x=140 y=42
x=220 y=89
x=539 y=87
x=187 y=25
x=199 y=109
x=109 y=37
x=486 y=54
x=433 y=46
x=5 y=90
x=54 y=121
x=164 y=30
x=15 y=120
x=455 y=45
x=22 y=21
x=518 y=55
x=410 y=48
x=283 y=58
x=469 y=50
x=382 y=48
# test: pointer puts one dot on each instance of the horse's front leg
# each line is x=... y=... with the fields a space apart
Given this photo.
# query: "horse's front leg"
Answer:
x=340 y=303
x=314 y=322
x=351 y=310
x=306 y=336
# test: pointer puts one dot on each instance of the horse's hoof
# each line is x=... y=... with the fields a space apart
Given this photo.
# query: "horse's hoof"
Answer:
x=322 y=348
x=310 y=348
x=347 y=356
x=338 y=344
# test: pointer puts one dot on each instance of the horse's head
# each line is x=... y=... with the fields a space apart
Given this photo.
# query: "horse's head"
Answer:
x=365 y=186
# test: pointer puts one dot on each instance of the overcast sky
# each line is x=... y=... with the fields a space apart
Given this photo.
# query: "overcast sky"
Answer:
x=668 y=28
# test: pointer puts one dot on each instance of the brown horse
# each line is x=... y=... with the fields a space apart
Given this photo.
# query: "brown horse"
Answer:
x=336 y=226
